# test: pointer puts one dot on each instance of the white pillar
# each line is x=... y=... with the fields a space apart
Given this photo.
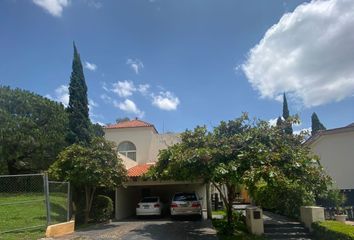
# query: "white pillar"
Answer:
x=310 y=214
x=254 y=220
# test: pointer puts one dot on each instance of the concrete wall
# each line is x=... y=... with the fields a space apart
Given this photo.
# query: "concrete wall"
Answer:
x=141 y=137
x=126 y=202
x=147 y=142
x=127 y=198
x=161 y=141
x=337 y=157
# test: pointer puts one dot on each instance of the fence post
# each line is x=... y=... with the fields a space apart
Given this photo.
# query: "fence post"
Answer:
x=68 y=203
x=46 y=195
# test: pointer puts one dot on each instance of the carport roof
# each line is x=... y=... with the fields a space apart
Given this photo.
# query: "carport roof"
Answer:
x=139 y=170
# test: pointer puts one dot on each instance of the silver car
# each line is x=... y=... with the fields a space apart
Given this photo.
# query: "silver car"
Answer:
x=186 y=203
x=149 y=206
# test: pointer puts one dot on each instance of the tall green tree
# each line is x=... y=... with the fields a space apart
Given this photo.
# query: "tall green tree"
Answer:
x=96 y=130
x=286 y=115
x=32 y=131
x=79 y=122
x=279 y=122
x=316 y=125
x=89 y=167
x=243 y=152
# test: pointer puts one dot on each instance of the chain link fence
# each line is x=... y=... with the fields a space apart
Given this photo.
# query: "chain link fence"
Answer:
x=30 y=201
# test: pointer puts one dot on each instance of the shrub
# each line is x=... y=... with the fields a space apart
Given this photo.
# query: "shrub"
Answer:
x=102 y=209
x=332 y=230
x=292 y=196
x=331 y=198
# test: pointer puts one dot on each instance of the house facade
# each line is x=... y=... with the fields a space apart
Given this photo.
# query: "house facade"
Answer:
x=335 y=147
x=138 y=144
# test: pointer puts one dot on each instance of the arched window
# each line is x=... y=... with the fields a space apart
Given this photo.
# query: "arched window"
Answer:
x=127 y=149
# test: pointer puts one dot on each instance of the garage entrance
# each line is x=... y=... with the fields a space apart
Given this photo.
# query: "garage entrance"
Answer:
x=128 y=196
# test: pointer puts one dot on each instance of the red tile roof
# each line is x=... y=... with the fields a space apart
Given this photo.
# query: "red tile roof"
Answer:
x=130 y=124
x=139 y=170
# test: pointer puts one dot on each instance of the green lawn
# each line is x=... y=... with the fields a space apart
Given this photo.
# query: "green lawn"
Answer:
x=28 y=210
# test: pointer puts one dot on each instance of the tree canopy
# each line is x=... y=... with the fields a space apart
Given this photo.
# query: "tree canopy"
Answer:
x=79 y=122
x=316 y=125
x=241 y=151
x=32 y=131
x=89 y=167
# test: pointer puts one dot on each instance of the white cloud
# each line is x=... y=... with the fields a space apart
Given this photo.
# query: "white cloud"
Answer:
x=273 y=122
x=144 y=89
x=106 y=98
x=304 y=131
x=61 y=94
x=165 y=101
x=124 y=88
x=130 y=107
x=54 y=7
x=92 y=104
x=94 y=4
x=90 y=66
x=135 y=64
x=308 y=54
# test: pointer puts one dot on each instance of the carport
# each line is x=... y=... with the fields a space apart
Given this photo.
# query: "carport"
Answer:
x=132 y=191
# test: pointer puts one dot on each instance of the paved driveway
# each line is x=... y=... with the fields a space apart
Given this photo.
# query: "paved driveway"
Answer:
x=147 y=229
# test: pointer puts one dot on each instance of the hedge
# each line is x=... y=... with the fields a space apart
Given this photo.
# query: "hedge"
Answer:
x=102 y=208
x=332 y=230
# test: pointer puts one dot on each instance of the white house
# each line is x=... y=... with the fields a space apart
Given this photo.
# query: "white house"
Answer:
x=138 y=144
x=335 y=147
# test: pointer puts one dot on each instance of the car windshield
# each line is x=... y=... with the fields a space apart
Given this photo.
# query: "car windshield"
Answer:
x=149 y=199
x=185 y=197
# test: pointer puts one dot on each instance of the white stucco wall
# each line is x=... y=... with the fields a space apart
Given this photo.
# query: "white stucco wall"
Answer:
x=337 y=157
x=141 y=137
x=128 y=163
x=161 y=141
x=147 y=142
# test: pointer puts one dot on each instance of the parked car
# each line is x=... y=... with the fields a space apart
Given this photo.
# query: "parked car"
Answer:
x=185 y=203
x=149 y=206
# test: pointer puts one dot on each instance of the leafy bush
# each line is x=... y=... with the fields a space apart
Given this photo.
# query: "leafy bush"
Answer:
x=102 y=209
x=292 y=196
x=238 y=223
x=332 y=230
x=331 y=198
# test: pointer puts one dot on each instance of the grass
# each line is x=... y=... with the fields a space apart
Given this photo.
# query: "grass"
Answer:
x=219 y=212
x=29 y=210
x=334 y=230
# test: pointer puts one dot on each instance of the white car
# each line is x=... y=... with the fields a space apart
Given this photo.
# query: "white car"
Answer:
x=149 y=206
x=186 y=204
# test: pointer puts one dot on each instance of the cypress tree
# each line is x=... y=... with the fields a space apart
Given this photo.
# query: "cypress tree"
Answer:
x=285 y=108
x=79 y=122
x=279 y=122
x=288 y=128
x=316 y=125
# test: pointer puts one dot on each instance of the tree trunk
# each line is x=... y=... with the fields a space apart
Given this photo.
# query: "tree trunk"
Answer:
x=89 y=193
x=208 y=202
x=11 y=167
x=231 y=194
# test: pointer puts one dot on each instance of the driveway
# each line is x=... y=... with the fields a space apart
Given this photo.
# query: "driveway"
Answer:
x=147 y=229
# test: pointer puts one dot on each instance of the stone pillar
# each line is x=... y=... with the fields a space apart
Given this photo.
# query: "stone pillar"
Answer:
x=310 y=214
x=254 y=220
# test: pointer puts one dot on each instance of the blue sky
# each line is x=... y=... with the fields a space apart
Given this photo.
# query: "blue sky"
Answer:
x=181 y=63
